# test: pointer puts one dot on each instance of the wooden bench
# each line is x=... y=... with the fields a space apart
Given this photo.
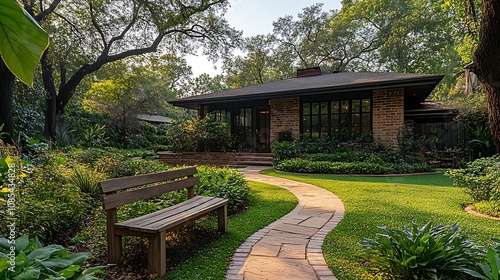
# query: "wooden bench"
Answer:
x=122 y=191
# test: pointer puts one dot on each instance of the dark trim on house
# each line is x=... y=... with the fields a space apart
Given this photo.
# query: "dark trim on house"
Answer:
x=417 y=88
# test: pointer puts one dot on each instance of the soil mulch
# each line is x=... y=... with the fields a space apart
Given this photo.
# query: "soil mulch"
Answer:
x=181 y=245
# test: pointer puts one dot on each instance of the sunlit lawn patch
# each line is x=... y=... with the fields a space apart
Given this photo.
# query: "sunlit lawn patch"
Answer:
x=394 y=202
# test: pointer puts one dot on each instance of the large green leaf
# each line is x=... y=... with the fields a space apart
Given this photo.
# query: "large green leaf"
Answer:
x=22 y=40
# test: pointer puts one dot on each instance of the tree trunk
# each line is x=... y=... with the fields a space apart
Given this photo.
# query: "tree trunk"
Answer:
x=51 y=98
x=487 y=63
x=6 y=84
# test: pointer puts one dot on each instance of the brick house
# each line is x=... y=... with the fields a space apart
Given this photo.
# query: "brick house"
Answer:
x=341 y=105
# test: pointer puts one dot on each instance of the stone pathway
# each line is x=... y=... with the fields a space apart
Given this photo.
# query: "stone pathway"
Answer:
x=289 y=248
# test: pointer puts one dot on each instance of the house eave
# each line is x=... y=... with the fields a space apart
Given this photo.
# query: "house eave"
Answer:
x=430 y=82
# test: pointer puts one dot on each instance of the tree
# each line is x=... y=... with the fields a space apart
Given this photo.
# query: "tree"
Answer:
x=202 y=84
x=90 y=34
x=413 y=36
x=131 y=87
x=487 y=62
x=328 y=39
x=22 y=42
x=261 y=63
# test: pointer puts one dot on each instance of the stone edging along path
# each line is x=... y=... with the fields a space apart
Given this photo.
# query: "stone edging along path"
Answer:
x=289 y=248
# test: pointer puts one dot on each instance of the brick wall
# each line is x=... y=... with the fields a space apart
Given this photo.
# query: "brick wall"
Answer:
x=215 y=158
x=285 y=115
x=388 y=116
x=197 y=158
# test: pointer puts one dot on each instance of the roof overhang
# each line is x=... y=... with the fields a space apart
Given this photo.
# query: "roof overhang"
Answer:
x=417 y=88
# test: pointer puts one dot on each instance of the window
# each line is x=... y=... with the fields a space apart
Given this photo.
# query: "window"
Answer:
x=338 y=119
x=243 y=128
x=222 y=116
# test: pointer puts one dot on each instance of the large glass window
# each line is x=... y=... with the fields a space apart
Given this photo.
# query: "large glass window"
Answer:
x=222 y=116
x=338 y=119
x=243 y=128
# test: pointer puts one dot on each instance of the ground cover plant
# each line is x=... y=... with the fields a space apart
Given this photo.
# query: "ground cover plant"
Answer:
x=393 y=202
x=35 y=261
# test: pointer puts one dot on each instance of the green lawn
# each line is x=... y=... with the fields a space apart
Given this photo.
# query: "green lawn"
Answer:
x=394 y=202
x=268 y=203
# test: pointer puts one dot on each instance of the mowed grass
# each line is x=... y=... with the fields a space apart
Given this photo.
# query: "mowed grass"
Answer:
x=394 y=202
x=268 y=203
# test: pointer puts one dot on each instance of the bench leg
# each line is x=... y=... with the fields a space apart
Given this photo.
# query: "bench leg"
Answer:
x=114 y=248
x=157 y=259
x=222 y=218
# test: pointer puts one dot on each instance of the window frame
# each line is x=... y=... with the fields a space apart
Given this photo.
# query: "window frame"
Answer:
x=312 y=131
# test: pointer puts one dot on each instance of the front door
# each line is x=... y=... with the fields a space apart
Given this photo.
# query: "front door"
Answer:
x=262 y=129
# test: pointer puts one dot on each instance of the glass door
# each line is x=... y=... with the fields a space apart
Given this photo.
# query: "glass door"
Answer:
x=262 y=129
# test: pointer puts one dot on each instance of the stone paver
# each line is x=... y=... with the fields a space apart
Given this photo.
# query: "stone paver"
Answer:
x=289 y=248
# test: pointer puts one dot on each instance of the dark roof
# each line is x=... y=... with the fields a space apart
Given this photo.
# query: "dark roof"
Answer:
x=417 y=87
x=432 y=111
x=154 y=118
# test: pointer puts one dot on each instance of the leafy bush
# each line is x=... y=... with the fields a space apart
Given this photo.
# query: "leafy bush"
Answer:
x=315 y=145
x=421 y=253
x=86 y=180
x=50 y=209
x=349 y=156
x=47 y=204
x=285 y=135
x=120 y=167
x=298 y=165
x=480 y=178
x=199 y=135
x=284 y=150
x=489 y=268
x=34 y=261
x=225 y=183
x=488 y=207
x=148 y=135
x=94 y=135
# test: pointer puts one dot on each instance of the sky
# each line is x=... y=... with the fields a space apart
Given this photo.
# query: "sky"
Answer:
x=256 y=17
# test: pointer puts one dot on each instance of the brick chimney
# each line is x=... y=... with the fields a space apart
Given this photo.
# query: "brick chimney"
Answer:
x=312 y=71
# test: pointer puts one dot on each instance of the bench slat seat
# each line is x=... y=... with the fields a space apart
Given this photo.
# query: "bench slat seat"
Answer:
x=173 y=216
x=121 y=191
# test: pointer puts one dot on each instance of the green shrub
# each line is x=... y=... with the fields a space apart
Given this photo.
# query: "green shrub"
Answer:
x=319 y=145
x=48 y=206
x=225 y=183
x=421 y=253
x=283 y=150
x=94 y=135
x=480 y=178
x=348 y=156
x=121 y=167
x=86 y=180
x=200 y=135
x=489 y=268
x=298 y=165
x=34 y=261
x=488 y=207
x=285 y=135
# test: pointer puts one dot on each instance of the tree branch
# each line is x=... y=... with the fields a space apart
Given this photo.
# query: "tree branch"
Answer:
x=45 y=12
x=127 y=28
x=97 y=27
x=69 y=22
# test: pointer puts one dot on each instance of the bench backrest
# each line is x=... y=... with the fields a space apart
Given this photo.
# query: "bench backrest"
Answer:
x=116 y=194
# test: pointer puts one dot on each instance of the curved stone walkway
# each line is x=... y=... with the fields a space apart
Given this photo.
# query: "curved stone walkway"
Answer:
x=289 y=248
